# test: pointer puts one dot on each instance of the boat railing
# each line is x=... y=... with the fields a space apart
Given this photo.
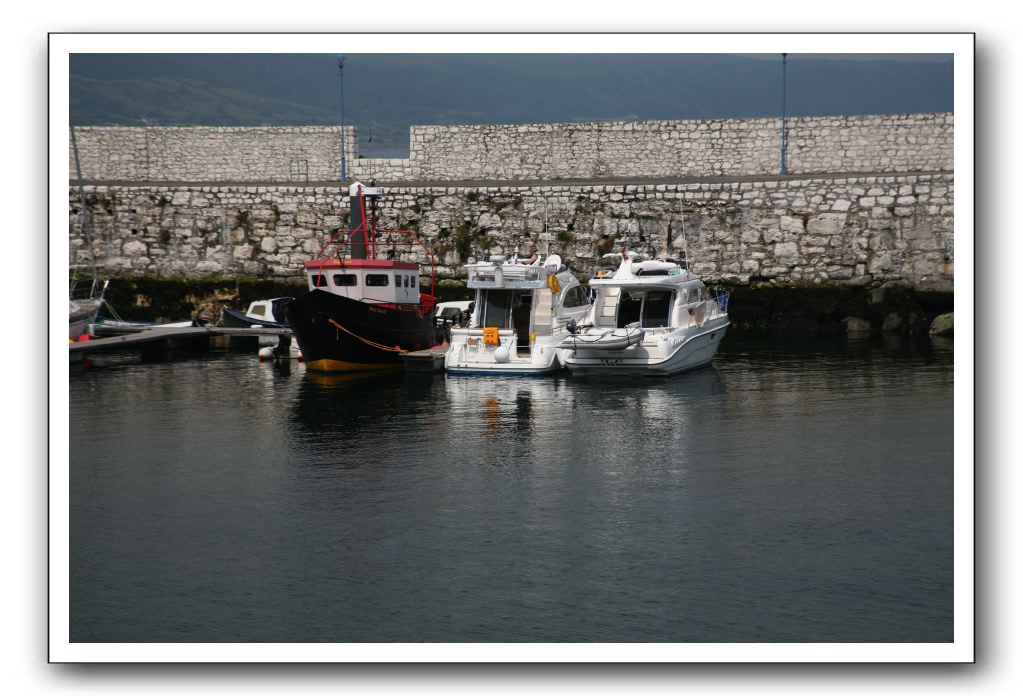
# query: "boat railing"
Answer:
x=506 y=275
x=714 y=304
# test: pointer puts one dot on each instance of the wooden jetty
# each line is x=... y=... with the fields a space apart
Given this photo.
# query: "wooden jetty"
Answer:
x=159 y=342
x=429 y=360
x=166 y=340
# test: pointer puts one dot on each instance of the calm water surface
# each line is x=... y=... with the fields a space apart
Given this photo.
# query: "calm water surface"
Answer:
x=794 y=491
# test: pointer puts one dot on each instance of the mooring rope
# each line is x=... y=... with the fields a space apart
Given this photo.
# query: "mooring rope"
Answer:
x=374 y=344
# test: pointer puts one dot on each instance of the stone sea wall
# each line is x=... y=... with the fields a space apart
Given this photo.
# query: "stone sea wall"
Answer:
x=211 y=154
x=894 y=143
x=857 y=230
x=550 y=151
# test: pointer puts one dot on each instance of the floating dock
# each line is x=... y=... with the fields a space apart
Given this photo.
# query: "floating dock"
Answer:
x=165 y=340
x=429 y=360
x=170 y=342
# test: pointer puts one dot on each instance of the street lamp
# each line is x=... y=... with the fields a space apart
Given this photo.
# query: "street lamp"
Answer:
x=784 y=67
x=341 y=76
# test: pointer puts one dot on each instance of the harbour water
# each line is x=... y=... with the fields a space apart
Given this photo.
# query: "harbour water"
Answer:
x=794 y=491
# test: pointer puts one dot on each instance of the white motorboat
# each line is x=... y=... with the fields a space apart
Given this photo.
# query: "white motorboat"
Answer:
x=519 y=319
x=266 y=313
x=82 y=310
x=648 y=318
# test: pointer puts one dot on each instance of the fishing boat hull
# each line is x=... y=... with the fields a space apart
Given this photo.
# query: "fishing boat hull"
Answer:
x=338 y=334
x=658 y=358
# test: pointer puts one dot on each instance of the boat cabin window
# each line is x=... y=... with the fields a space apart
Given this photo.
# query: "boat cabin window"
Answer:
x=342 y=280
x=377 y=280
x=651 y=308
x=413 y=280
x=629 y=307
x=576 y=297
x=497 y=308
x=657 y=308
x=406 y=280
x=318 y=280
x=258 y=310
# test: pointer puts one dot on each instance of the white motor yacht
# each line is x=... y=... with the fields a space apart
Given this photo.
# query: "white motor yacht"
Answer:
x=648 y=318
x=519 y=319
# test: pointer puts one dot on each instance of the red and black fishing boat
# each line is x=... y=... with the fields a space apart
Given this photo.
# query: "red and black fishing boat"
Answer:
x=362 y=312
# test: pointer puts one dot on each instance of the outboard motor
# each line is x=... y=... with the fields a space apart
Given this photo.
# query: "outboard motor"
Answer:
x=283 y=348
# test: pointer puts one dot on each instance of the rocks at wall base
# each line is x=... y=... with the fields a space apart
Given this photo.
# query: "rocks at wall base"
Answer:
x=942 y=325
x=854 y=326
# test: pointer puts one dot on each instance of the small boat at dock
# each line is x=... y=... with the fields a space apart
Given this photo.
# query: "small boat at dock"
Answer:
x=271 y=314
x=83 y=308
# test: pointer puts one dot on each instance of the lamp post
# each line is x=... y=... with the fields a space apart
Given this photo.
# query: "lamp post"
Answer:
x=784 y=69
x=341 y=76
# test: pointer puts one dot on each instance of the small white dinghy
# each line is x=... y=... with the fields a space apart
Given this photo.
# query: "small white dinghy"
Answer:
x=616 y=339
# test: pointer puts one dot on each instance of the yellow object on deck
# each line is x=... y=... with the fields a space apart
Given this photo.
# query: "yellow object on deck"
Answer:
x=490 y=337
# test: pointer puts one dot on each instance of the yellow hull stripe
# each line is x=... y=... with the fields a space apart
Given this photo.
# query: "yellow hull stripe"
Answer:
x=328 y=365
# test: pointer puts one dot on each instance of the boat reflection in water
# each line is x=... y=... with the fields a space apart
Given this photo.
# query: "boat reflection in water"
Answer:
x=365 y=419
x=561 y=416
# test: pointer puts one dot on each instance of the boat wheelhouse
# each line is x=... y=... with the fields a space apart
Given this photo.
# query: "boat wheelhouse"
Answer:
x=266 y=313
x=362 y=312
x=519 y=318
x=649 y=317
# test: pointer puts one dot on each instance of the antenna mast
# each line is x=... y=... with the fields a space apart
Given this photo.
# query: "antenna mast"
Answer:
x=685 y=246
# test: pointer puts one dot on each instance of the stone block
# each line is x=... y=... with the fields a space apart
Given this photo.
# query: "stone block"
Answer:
x=826 y=224
x=786 y=251
x=134 y=248
x=750 y=235
x=789 y=226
